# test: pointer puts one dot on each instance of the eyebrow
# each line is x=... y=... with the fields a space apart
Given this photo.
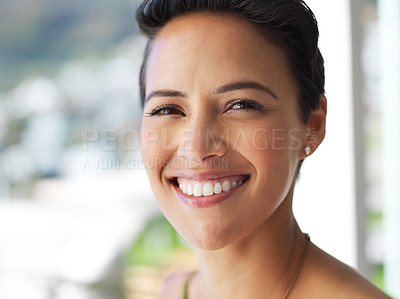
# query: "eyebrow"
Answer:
x=223 y=89
x=165 y=93
x=245 y=85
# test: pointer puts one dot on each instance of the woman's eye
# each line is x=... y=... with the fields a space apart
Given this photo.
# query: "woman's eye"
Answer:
x=244 y=104
x=166 y=110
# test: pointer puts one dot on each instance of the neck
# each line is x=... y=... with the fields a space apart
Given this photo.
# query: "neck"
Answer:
x=263 y=263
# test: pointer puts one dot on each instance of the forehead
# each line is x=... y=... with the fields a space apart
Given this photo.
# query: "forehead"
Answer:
x=209 y=25
x=220 y=47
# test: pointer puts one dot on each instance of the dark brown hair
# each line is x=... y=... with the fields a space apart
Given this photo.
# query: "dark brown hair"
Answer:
x=290 y=23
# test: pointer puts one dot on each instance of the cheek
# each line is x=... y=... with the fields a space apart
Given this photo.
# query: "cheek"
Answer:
x=275 y=162
x=153 y=156
x=157 y=145
x=150 y=140
x=156 y=149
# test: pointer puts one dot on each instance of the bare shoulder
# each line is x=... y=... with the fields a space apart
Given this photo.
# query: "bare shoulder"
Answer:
x=173 y=285
x=326 y=277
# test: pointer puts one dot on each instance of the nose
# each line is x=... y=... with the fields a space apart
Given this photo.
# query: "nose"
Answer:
x=203 y=139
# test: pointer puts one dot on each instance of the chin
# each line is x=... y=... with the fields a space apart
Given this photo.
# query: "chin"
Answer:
x=208 y=238
x=208 y=245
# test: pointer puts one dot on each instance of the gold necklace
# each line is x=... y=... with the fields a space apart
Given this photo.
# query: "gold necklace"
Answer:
x=299 y=266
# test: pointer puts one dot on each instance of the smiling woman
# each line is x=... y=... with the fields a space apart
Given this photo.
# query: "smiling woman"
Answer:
x=233 y=95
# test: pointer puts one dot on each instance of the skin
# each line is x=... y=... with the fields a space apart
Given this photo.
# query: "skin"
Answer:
x=249 y=245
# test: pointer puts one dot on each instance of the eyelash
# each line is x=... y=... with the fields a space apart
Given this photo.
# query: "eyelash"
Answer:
x=249 y=105
x=157 y=110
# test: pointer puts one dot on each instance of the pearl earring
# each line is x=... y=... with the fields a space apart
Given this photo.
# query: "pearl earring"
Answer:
x=307 y=150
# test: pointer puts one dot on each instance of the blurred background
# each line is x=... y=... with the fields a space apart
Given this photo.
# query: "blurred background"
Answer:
x=77 y=216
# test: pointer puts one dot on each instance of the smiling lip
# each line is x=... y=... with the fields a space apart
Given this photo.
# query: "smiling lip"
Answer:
x=211 y=200
x=204 y=175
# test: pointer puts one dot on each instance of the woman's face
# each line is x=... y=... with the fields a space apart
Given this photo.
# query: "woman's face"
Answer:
x=222 y=134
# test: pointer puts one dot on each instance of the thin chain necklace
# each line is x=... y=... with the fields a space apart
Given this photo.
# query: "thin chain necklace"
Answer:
x=292 y=282
x=299 y=266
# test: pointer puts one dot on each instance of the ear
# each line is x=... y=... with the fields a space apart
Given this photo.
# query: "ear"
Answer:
x=316 y=127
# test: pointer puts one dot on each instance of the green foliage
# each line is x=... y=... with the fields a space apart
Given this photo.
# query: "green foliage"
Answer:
x=155 y=243
x=374 y=220
x=378 y=276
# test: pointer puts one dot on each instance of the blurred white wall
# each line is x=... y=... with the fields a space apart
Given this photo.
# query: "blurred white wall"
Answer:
x=324 y=201
x=389 y=14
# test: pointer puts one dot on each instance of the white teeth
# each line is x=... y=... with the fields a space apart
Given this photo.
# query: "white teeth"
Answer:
x=226 y=186
x=207 y=189
x=197 y=190
x=189 y=189
x=217 y=188
x=183 y=188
